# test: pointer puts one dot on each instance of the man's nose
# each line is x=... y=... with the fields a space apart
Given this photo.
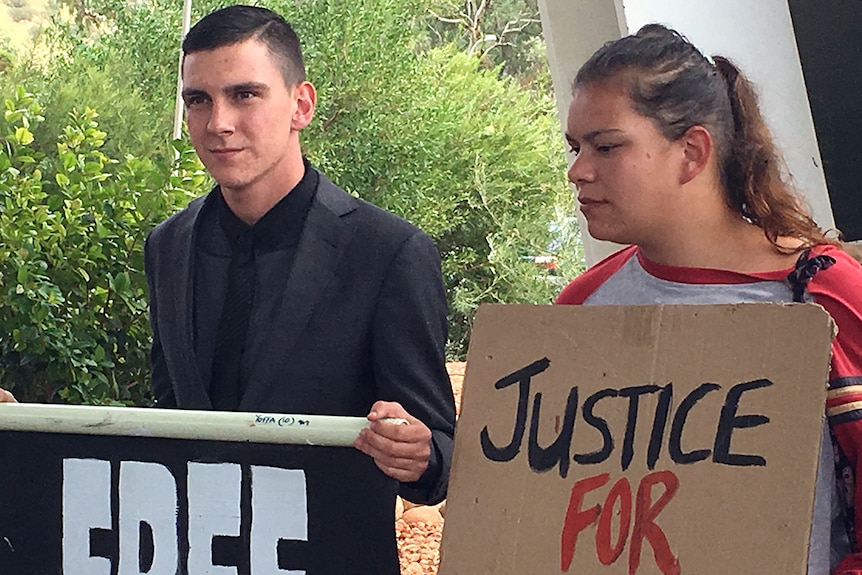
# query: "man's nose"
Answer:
x=221 y=119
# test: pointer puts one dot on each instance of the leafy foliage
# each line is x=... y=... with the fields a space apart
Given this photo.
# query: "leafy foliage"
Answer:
x=503 y=34
x=8 y=54
x=114 y=57
x=73 y=302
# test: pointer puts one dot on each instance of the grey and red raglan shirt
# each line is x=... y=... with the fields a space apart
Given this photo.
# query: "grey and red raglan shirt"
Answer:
x=825 y=275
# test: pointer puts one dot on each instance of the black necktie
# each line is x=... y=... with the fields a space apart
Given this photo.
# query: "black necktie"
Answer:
x=227 y=381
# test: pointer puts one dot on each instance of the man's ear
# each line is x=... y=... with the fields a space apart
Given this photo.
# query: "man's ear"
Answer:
x=697 y=151
x=306 y=99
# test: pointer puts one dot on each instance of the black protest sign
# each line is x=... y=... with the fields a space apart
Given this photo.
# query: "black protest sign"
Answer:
x=93 y=505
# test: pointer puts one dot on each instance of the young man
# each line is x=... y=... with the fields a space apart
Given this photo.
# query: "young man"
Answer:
x=279 y=292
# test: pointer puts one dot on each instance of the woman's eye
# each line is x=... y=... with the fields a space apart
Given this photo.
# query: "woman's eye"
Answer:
x=574 y=149
x=606 y=148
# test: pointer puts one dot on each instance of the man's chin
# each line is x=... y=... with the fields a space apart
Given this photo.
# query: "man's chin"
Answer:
x=226 y=182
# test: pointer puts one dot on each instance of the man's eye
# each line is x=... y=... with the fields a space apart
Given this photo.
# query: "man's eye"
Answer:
x=574 y=149
x=244 y=95
x=195 y=100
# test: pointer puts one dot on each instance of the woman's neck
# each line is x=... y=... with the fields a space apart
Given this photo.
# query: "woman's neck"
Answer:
x=728 y=243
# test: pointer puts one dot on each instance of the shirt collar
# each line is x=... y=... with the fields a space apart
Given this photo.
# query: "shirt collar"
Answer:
x=282 y=224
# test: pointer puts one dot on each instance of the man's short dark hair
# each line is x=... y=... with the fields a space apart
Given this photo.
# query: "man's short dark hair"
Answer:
x=239 y=23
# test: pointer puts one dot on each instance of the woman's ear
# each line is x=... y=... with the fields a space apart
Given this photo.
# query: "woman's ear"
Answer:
x=697 y=152
x=306 y=99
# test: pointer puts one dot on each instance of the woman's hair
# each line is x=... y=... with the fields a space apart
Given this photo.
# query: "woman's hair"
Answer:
x=674 y=84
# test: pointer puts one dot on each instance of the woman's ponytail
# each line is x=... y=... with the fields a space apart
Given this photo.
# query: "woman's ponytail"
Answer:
x=753 y=172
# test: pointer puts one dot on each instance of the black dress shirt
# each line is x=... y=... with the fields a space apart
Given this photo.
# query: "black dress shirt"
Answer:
x=276 y=237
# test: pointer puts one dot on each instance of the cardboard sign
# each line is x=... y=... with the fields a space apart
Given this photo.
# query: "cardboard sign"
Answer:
x=107 y=505
x=638 y=440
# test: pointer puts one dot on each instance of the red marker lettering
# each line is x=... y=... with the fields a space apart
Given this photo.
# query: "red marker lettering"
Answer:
x=578 y=519
x=645 y=526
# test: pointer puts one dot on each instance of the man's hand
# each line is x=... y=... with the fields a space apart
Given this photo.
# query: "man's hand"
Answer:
x=6 y=397
x=400 y=451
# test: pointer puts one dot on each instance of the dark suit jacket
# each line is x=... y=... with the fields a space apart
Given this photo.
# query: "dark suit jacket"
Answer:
x=363 y=317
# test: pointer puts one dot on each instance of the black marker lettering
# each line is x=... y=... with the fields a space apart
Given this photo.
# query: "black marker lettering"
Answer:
x=659 y=423
x=680 y=417
x=600 y=424
x=633 y=393
x=728 y=421
x=522 y=378
x=544 y=458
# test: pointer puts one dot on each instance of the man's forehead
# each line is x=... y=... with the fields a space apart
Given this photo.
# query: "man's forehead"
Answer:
x=231 y=64
x=251 y=53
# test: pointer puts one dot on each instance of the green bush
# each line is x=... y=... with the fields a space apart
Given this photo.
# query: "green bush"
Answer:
x=115 y=58
x=73 y=302
x=8 y=55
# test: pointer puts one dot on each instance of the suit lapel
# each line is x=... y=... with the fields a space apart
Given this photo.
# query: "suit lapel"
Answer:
x=324 y=237
x=176 y=309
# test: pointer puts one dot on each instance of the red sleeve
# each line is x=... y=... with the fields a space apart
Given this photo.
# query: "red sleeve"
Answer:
x=838 y=289
x=582 y=287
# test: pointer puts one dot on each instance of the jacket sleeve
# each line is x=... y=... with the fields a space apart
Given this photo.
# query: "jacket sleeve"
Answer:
x=409 y=344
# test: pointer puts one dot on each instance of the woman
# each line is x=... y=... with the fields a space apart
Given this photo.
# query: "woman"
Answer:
x=674 y=158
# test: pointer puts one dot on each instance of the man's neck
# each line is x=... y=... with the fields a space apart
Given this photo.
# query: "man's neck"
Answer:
x=251 y=203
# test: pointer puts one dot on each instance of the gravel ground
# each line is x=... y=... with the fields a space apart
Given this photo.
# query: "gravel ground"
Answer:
x=419 y=529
